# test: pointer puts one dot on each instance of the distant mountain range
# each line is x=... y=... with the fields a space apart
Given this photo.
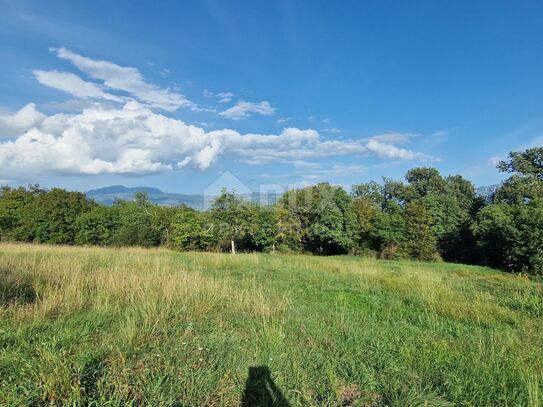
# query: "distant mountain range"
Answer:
x=108 y=195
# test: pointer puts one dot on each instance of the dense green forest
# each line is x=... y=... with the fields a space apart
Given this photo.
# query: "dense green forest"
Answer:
x=425 y=217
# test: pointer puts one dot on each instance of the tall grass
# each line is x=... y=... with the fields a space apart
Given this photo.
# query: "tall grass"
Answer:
x=92 y=326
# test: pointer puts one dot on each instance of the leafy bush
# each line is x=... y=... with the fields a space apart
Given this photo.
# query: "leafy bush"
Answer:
x=511 y=236
x=189 y=231
x=98 y=226
x=44 y=216
x=136 y=235
x=325 y=216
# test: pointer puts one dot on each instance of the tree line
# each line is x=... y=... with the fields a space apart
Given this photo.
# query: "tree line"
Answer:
x=425 y=217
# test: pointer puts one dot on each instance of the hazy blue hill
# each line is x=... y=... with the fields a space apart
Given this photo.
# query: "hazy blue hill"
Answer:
x=108 y=195
x=114 y=189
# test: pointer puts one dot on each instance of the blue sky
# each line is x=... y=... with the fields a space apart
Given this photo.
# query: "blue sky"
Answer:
x=172 y=94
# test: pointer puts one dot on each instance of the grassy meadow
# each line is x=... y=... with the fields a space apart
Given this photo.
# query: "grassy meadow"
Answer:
x=94 y=326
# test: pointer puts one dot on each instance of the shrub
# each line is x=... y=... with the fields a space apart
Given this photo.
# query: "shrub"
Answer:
x=98 y=226
x=511 y=236
x=136 y=235
x=189 y=231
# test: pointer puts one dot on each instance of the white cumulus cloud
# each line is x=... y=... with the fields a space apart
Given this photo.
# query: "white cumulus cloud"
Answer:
x=133 y=139
x=386 y=150
x=24 y=119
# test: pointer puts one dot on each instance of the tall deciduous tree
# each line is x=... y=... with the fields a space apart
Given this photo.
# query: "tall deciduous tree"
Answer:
x=390 y=230
x=228 y=217
x=526 y=163
x=326 y=216
x=262 y=228
x=289 y=228
x=190 y=231
x=423 y=181
x=420 y=242
x=511 y=236
x=526 y=183
x=369 y=192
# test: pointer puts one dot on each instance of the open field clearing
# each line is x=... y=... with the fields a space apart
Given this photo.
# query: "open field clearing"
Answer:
x=93 y=326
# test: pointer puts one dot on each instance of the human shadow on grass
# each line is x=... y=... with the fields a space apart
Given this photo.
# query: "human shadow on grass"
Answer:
x=260 y=390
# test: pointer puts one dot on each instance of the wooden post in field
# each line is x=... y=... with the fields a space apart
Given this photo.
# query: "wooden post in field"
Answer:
x=233 y=246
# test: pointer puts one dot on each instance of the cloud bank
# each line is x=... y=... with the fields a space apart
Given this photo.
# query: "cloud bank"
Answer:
x=133 y=139
x=112 y=127
x=24 y=119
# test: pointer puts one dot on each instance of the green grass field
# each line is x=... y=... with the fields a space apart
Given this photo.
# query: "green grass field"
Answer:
x=92 y=326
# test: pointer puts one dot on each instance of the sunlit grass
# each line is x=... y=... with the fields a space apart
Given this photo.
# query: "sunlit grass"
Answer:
x=85 y=326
